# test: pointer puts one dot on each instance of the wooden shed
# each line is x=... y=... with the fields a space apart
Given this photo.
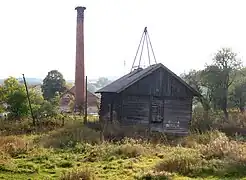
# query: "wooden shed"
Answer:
x=154 y=96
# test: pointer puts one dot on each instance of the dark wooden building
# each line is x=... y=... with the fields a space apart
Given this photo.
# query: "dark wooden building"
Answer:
x=153 y=96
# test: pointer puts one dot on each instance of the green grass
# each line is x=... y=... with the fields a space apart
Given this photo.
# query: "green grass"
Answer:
x=74 y=152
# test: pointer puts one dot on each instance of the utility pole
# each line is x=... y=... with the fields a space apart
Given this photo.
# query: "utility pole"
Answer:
x=85 y=106
x=29 y=102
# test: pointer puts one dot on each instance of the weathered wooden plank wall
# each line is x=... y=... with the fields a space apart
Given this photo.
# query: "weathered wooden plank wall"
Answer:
x=159 y=99
x=177 y=113
x=159 y=83
x=135 y=110
x=149 y=85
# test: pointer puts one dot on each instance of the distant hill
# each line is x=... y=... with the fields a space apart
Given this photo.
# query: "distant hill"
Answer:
x=35 y=81
x=30 y=81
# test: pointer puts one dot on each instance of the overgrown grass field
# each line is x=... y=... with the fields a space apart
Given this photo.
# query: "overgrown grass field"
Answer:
x=75 y=151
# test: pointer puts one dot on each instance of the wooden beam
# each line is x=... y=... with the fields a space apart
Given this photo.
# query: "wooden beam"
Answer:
x=111 y=112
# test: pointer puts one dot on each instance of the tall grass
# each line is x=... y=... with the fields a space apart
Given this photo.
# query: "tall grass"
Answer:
x=74 y=146
x=79 y=174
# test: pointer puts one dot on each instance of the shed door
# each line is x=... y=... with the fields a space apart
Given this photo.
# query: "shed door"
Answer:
x=157 y=110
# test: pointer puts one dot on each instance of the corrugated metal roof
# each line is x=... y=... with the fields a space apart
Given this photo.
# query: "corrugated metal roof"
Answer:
x=134 y=76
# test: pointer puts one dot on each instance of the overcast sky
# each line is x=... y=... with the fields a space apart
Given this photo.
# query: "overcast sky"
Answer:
x=38 y=36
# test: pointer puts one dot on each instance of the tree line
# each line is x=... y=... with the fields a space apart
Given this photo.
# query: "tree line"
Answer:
x=44 y=101
x=222 y=83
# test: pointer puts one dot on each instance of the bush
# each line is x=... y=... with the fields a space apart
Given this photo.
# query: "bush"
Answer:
x=27 y=167
x=194 y=140
x=79 y=174
x=156 y=176
x=69 y=136
x=199 y=123
x=13 y=145
x=129 y=151
x=222 y=148
x=16 y=127
x=65 y=164
x=180 y=160
x=4 y=159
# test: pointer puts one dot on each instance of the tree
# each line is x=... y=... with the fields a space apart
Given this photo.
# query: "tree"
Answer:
x=102 y=81
x=238 y=95
x=17 y=104
x=223 y=73
x=1 y=99
x=91 y=87
x=47 y=109
x=52 y=84
x=211 y=80
x=69 y=85
x=13 y=94
x=37 y=100
x=194 y=79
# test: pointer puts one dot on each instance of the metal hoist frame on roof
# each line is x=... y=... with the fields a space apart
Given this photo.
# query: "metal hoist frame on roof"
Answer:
x=145 y=37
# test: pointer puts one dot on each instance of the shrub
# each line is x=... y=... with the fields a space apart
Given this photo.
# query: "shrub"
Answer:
x=65 y=164
x=180 y=160
x=200 y=122
x=155 y=176
x=16 y=127
x=78 y=174
x=194 y=140
x=129 y=151
x=13 y=145
x=27 y=167
x=129 y=148
x=69 y=136
x=4 y=159
x=222 y=148
x=98 y=152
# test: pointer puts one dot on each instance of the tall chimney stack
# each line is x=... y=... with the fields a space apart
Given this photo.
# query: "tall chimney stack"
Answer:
x=80 y=67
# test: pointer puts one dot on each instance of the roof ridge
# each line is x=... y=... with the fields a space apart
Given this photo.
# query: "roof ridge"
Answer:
x=127 y=80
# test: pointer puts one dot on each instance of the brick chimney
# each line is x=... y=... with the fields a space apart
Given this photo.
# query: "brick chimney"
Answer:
x=80 y=67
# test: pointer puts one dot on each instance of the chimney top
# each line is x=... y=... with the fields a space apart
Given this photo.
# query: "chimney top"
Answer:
x=80 y=13
x=80 y=8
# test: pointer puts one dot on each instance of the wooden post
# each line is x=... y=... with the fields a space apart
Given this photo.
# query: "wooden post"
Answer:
x=85 y=106
x=30 y=106
x=150 y=116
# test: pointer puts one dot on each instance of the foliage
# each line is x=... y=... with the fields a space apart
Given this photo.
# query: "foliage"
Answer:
x=221 y=75
x=102 y=81
x=195 y=79
x=13 y=145
x=17 y=104
x=53 y=83
x=238 y=95
x=182 y=160
x=129 y=150
x=91 y=87
x=77 y=174
x=69 y=136
x=220 y=83
x=60 y=155
x=14 y=95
